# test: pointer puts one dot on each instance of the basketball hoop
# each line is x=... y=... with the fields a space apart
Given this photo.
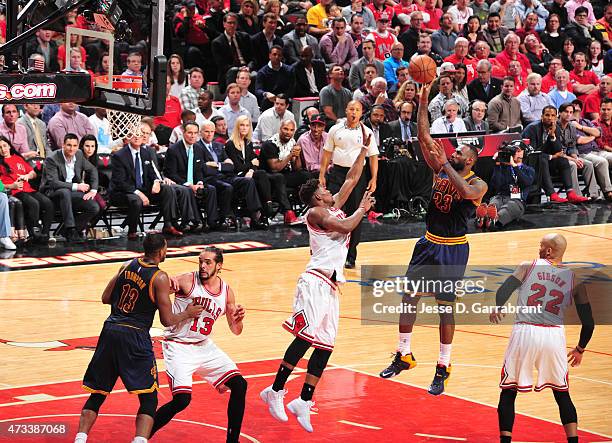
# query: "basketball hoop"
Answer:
x=123 y=124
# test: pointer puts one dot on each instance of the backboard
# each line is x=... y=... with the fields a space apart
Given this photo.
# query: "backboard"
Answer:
x=92 y=38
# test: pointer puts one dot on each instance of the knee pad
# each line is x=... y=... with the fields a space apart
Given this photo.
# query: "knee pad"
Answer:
x=238 y=385
x=94 y=402
x=296 y=351
x=318 y=362
x=148 y=403
x=181 y=401
x=505 y=409
x=567 y=410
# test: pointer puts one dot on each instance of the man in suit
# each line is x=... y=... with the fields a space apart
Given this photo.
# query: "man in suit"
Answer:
x=494 y=34
x=484 y=87
x=310 y=74
x=404 y=128
x=72 y=182
x=273 y=79
x=376 y=122
x=219 y=172
x=232 y=49
x=264 y=40
x=134 y=184
x=37 y=132
x=293 y=42
x=475 y=121
x=184 y=165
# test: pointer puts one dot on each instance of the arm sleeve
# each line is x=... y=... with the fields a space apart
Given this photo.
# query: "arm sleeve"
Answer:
x=588 y=323
x=506 y=290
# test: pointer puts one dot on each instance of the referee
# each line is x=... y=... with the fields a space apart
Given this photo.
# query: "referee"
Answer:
x=343 y=144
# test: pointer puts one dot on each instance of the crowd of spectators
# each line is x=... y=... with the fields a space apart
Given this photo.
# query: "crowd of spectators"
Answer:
x=536 y=67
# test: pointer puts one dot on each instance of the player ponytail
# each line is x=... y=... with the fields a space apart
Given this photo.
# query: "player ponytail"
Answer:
x=217 y=251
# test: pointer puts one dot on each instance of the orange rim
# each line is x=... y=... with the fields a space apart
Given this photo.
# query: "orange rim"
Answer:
x=122 y=82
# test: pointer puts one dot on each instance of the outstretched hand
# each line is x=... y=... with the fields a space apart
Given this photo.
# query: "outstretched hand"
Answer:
x=367 y=201
x=437 y=153
x=424 y=98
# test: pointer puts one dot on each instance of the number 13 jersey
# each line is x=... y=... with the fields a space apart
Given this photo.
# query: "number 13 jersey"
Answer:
x=547 y=288
x=197 y=330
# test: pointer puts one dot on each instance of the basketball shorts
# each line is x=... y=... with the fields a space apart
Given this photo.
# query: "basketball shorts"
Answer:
x=183 y=359
x=438 y=264
x=316 y=310
x=122 y=351
x=542 y=347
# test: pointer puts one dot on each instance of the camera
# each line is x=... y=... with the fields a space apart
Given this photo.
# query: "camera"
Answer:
x=508 y=149
x=394 y=147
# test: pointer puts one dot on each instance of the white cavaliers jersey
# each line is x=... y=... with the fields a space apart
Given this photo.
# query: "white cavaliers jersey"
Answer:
x=548 y=286
x=195 y=330
x=328 y=249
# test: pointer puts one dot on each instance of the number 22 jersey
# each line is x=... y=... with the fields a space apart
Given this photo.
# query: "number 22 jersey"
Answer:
x=197 y=330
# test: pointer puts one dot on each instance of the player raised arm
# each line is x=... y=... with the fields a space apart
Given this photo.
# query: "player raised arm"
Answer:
x=473 y=190
x=234 y=313
x=352 y=176
x=511 y=284
x=320 y=217
x=423 y=129
x=161 y=286
x=583 y=308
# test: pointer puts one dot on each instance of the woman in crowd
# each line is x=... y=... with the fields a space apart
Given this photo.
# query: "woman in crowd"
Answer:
x=103 y=65
x=5 y=221
x=460 y=81
x=16 y=174
x=277 y=8
x=407 y=93
x=177 y=75
x=567 y=54
x=595 y=58
x=551 y=36
x=248 y=21
x=75 y=42
x=471 y=31
x=239 y=149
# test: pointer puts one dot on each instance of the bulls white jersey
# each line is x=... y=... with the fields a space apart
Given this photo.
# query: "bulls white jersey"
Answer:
x=328 y=249
x=196 y=330
x=548 y=286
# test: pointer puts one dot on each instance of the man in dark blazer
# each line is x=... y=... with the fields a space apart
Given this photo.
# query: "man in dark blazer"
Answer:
x=72 y=182
x=484 y=87
x=178 y=169
x=219 y=172
x=264 y=40
x=134 y=184
x=232 y=54
x=317 y=67
x=44 y=44
x=273 y=79
x=376 y=122
x=403 y=128
x=293 y=44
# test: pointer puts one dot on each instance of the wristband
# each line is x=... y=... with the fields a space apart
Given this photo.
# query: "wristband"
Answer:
x=579 y=349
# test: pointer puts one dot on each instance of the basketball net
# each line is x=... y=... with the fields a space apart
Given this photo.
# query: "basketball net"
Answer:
x=124 y=124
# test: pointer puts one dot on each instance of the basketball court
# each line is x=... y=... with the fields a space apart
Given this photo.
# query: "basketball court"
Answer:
x=51 y=318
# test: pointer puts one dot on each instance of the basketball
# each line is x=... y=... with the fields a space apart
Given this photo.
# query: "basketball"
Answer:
x=422 y=69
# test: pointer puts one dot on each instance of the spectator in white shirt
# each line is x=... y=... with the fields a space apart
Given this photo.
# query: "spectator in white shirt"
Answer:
x=270 y=120
x=449 y=123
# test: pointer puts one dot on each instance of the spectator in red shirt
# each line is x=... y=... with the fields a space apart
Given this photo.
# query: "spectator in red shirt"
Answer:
x=604 y=123
x=592 y=102
x=461 y=56
x=171 y=118
x=75 y=42
x=379 y=7
x=435 y=14
x=511 y=52
x=529 y=28
x=520 y=82
x=191 y=28
x=549 y=80
x=584 y=82
x=16 y=174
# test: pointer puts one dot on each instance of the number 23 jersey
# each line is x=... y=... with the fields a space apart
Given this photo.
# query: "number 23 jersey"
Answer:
x=448 y=213
x=195 y=330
